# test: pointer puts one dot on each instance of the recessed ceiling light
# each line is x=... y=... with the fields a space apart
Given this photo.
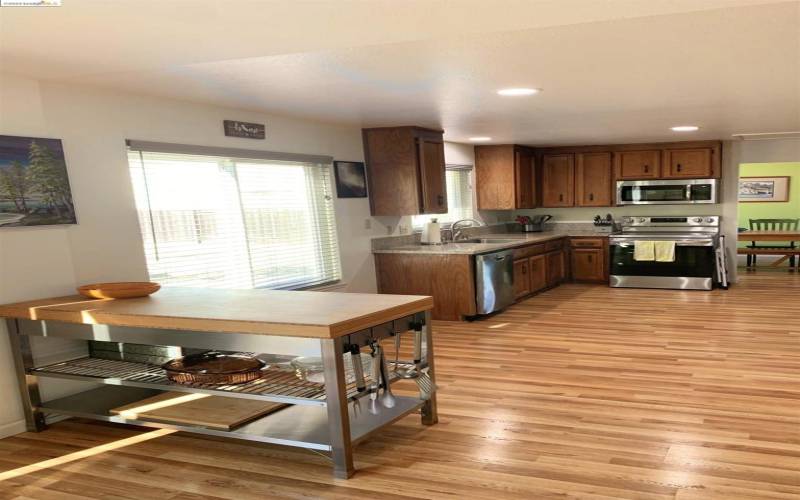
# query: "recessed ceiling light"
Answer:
x=518 y=91
x=685 y=128
x=480 y=139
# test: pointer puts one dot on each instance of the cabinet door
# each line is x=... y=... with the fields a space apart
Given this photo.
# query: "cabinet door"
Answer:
x=593 y=180
x=495 y=177
x=588 y=264
x=537 y=270
x=558 y=180
x=638 y=164
x=432 y=176
x=555 y=267
x=524 y=180
x=689 y=163
x=522 y=285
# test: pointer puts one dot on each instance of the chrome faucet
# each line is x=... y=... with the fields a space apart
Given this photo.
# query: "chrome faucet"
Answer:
x=457 y=232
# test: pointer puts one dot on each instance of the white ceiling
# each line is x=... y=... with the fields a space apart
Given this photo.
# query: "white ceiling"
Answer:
x=612 y=71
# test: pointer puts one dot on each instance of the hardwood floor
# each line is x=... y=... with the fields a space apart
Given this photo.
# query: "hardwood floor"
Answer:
x=580 y=392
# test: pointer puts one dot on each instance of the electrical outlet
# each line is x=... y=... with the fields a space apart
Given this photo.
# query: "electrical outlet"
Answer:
x=367 y=223
x=402 y=229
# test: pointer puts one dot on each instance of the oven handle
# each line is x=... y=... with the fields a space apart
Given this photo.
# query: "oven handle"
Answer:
x=680 y=243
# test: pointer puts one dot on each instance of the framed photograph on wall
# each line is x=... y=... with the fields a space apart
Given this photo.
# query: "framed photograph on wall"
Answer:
x=34 y=187
x=764 y=189
x=351 y=179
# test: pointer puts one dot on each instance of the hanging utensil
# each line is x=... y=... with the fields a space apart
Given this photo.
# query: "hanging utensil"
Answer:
x=374 y=386
x=387 y=398
x=423 y=378
x=358 y=371
x=401 y=372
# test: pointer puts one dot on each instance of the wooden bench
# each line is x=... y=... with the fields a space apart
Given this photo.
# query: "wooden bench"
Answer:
x=786 y=252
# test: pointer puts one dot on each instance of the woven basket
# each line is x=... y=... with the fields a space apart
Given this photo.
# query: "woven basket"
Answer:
x=214 y=368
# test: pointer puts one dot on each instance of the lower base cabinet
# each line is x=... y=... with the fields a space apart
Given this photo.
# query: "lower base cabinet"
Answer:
x=588 y=264
x=521 y=278
x=556 y=267
x=589 y=259
x=537 y=271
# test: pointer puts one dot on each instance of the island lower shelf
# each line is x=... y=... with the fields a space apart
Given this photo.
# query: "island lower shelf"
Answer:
x=301 y=426
x=278 y=386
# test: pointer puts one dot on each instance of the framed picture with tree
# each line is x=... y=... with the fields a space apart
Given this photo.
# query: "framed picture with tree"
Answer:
x=34 y=186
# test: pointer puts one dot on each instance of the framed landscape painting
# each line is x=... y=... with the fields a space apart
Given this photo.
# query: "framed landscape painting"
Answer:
x=764 y=189
x=34 y=187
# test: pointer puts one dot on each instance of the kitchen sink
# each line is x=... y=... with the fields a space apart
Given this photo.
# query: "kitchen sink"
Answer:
x=488 y=240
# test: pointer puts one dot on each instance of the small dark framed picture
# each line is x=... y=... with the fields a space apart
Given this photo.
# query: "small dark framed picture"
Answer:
x=351 y=179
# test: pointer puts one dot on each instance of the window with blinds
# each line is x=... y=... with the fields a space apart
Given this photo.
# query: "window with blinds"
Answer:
x=230 y=221
x=459 y=197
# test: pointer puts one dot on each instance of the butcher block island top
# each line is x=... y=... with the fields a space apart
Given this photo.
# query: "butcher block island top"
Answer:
x=323 y=315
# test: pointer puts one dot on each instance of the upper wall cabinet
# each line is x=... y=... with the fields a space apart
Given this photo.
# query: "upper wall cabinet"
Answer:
x=558 y=180
x=638 y=164
x=406 y=171
x=691 y=163
x=593 y=179
x=505 y=177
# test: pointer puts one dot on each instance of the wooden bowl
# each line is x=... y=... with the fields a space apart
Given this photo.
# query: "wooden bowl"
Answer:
x=120 y=290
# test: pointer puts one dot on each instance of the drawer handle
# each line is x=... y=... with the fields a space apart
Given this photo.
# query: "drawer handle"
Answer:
x=561 y=197
x=679 y=167
x=524 y=270
x=589 y=258
x=646 y=168
x=440 y=200
x=591 y=196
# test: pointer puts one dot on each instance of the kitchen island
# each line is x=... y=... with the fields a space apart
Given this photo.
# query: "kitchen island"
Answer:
x=246 y=321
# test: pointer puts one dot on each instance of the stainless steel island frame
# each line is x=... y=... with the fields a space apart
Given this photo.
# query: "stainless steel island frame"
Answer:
x=318 y=418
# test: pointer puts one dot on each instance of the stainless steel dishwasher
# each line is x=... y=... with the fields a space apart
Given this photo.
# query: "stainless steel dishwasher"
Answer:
x=494 y=281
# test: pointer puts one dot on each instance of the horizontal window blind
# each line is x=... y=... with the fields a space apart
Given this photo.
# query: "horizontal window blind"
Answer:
x=228 y=222
x=459 y=198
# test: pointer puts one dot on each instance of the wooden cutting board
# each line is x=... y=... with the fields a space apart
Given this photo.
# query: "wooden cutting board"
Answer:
x=214 y=412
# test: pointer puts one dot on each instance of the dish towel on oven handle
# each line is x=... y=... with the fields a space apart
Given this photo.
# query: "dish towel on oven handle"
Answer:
x=665 y=251
x=644 y=251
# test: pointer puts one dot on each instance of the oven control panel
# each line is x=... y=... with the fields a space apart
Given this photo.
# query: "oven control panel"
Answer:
x=671 y=221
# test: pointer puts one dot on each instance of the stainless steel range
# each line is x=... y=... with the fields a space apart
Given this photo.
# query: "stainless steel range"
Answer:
x=693 y=266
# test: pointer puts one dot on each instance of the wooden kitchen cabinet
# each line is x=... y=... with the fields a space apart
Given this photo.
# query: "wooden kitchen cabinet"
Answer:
x=505 y=177
x=558 y=180
x=589 y=259
x=588 y=264
x=522 y=285
x=593 y=174
x=537 y=273
x=556 y=267
x=632 y=165
x=405 y=170
x=688 y=163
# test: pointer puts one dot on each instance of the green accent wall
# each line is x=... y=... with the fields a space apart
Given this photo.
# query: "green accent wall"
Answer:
x=769 y=210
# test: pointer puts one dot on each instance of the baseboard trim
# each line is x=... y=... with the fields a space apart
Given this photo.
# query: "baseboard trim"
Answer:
x=12 y=429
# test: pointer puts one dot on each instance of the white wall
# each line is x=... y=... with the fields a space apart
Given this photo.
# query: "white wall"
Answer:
x=105 y=245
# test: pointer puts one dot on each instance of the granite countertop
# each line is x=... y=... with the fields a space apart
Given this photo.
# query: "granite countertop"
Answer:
x=520 y=239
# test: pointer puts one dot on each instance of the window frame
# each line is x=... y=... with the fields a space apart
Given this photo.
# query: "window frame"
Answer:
x=244 y=155
x=418 y=227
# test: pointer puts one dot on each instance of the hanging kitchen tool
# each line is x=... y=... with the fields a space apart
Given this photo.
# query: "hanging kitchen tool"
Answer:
x=374 y=386
x=387 y=398
x=358 y=371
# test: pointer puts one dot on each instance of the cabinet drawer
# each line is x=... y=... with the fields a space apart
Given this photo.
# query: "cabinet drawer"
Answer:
x=587 y=243
x=521 y=253
x=553 y=245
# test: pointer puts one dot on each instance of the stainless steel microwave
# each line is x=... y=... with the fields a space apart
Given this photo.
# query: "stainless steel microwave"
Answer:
x=667 y=192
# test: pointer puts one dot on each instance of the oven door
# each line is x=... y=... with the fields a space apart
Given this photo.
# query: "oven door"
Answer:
x=693 y=268
x=672 y=192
